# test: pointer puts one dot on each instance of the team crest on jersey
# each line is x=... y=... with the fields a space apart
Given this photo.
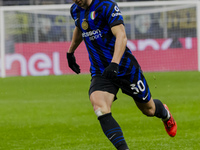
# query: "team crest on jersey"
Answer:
x=116 y=9
x=84 y=25
x=92 y=15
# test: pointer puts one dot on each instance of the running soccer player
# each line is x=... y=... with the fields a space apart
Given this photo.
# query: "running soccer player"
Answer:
x=100 y=24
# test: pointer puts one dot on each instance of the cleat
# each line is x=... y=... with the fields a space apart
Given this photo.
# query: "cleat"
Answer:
x=170 y=124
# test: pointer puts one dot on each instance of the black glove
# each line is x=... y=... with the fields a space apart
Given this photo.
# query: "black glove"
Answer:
x=72 y=63
x=111 y=71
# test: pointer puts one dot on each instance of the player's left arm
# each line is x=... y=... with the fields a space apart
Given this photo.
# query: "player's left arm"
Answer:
x=120 y=43
x=112 y=70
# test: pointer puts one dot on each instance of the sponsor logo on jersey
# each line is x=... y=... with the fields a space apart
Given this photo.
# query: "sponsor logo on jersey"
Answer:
x=93 y=35
x=117 y=13
x=116 y=8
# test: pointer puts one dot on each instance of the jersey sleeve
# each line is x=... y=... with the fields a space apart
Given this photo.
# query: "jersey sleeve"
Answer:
x=113 y=14
x=73 y=13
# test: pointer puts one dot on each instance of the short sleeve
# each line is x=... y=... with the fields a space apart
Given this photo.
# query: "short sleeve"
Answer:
x=73 y=13
x=113 y=14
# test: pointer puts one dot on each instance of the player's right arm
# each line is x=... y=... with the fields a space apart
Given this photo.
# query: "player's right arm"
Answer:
x=76 y=40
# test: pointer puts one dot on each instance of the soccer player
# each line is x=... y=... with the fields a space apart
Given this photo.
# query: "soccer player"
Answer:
x=100 y=24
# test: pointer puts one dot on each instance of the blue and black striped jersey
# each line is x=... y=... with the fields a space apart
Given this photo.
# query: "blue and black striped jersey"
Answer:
x=95 y=23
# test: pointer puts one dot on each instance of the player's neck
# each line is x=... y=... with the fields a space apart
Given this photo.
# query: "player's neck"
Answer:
x=88 y=3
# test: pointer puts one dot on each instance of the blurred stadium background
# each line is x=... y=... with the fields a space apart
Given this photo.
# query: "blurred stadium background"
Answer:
x=35 y=35
x=44 y=2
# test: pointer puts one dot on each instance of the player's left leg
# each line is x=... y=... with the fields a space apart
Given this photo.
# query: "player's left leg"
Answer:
x=157 y=108
x=153 y=108
x=139 y=90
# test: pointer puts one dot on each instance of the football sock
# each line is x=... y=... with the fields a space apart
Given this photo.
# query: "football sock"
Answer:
x=161 y=112
x=113 y=131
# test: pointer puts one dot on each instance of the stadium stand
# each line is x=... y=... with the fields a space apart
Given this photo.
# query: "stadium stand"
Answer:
x=32 y=2
x=45 y=2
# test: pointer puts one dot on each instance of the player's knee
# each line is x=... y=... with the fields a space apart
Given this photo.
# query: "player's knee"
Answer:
x=99 y=111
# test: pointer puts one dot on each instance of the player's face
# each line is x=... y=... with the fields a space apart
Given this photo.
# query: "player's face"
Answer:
x=81 y=3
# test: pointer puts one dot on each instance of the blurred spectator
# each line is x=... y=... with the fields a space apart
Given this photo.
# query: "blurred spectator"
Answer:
x=44 y=29
x=59 y=33
x=175 y=42
x=9 y=44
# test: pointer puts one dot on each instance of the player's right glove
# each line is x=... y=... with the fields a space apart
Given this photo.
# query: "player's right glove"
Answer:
x=111 y=71
x=72 y=63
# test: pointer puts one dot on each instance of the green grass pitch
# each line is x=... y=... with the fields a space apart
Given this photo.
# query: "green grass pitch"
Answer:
x=54 y=113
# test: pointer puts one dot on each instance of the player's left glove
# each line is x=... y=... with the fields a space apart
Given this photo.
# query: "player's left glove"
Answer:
x=111 y=71
x=72 y=63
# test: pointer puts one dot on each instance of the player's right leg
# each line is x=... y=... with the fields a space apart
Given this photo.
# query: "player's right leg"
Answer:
x=139 y=90
x=102 y=93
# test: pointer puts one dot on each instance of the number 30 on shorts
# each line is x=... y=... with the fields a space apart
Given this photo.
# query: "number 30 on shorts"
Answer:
x=138 y=88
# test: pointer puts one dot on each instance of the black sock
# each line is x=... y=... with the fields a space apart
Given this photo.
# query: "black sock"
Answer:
x=113 y=131
x=160 y=112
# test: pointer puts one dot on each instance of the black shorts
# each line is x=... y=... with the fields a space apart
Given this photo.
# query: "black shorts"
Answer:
x=99 y=83
x=134 y=85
